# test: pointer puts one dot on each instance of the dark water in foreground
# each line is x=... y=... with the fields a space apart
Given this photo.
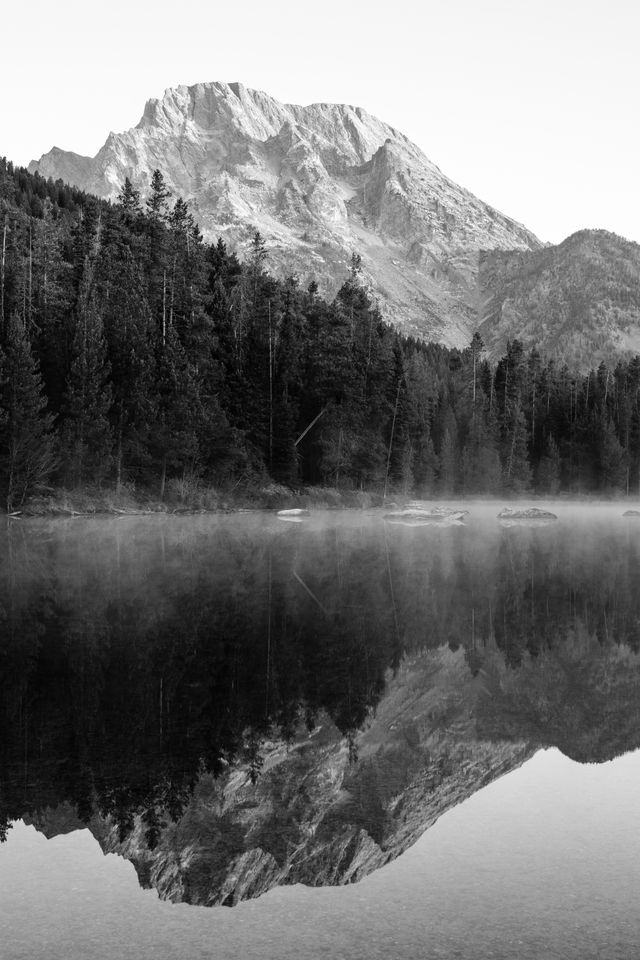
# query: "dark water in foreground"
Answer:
x=240 y=705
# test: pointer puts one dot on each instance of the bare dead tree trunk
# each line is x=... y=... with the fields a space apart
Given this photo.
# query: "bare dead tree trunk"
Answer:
x=164 y=308
x=163 y=476
x=30 y=273
x=270 y=396
x=119 y=451
x=393 y=427
x=173 y=286
x=2 y=269
x=475 y=364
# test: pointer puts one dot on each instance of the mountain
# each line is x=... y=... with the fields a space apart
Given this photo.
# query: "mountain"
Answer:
x=578 y=301
x=319 y=182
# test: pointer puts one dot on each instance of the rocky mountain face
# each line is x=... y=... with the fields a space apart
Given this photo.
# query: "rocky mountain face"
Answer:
x=319 y=182
x=578 y=302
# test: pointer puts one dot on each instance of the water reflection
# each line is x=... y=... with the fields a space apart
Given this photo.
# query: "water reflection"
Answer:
x=238 y=702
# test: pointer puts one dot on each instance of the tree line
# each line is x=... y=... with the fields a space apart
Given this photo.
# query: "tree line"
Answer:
x=134 y=352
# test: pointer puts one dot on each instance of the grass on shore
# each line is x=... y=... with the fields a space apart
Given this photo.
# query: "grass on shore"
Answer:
x=190 y=498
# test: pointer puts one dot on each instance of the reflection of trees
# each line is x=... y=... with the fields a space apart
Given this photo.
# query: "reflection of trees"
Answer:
x=134 y=662
x=116 y=699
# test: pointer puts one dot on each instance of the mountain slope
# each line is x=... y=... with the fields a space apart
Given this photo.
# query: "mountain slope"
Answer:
x=319 y=182
x=578 y=301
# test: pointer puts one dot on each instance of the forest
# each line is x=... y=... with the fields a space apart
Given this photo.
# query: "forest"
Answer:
x=134 y=355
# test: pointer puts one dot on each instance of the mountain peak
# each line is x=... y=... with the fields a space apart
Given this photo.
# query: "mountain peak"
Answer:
x=319 y=182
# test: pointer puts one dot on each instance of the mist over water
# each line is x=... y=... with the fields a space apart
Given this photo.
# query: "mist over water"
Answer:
x=237 y=702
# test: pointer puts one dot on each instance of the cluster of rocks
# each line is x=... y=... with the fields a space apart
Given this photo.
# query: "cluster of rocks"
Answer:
x=529 y=517
x=420 y=513
x=417 y=513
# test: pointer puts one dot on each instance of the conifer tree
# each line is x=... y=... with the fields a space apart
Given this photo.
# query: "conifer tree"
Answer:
x=516 y=471
x=481 y=470
x=178 y=414
x=26 y=428
x=447 y=475
x=129 y=200
x=86 y=432
x=548 y=472
x=157 y=201
x=612 y=458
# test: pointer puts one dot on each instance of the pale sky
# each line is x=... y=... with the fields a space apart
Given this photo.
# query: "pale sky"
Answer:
x=532 y=106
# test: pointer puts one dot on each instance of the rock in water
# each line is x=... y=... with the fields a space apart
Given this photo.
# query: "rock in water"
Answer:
x=318 y=182
x=417 y=515
x=529 y=517
x=296 y=515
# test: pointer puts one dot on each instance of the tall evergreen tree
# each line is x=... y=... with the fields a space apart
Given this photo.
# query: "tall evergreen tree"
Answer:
x=86 y=432
x=129 y=199
x=26 y=428
x=157 y=201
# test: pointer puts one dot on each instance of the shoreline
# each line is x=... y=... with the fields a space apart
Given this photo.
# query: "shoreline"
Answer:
x=90 y=501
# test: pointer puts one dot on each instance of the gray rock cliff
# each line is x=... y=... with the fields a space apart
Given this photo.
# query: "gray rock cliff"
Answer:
x=319 y=182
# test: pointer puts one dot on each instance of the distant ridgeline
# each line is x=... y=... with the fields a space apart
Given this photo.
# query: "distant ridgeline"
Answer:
x=133 y=352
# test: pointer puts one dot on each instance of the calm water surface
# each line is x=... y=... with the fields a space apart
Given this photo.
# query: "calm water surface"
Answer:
x=245 y=711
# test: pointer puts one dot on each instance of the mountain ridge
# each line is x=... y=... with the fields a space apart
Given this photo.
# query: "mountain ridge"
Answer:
x=319 y=182
x=579 y=300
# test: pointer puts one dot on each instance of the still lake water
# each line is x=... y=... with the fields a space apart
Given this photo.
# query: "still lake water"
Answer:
x=246 y=711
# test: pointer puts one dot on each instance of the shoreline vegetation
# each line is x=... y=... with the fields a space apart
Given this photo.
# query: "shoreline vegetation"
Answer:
x=198 y=499
x=192 y=499
x=144 y=369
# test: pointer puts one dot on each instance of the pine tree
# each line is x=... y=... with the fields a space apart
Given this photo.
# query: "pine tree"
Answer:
x=481 y=470
x=129 y=200
x=159 y=194
x=178 y=414
x=612 y=458
x=516 y=471
x=548 y=472
x=86 y=433
x=26 y=428
x=447 y=475
x=477 y=348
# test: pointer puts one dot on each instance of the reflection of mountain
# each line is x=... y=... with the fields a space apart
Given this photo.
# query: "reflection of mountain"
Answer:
x=316 y=815
x=234 y=711
x=581 y=697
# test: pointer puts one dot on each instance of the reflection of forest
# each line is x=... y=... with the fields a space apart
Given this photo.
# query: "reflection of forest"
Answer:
x=140 y=659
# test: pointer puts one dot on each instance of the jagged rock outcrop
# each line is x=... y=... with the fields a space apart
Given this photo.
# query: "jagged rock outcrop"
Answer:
x=319 y=182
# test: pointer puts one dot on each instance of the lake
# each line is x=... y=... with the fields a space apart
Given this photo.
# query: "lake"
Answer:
x=367 y=738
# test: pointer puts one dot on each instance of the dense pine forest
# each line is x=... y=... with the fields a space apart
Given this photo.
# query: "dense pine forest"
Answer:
x=136 y=356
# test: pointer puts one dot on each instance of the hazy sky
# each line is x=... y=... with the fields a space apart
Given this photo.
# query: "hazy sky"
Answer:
x=533 y=107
